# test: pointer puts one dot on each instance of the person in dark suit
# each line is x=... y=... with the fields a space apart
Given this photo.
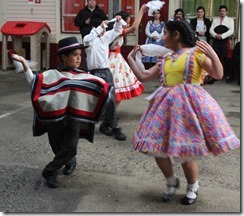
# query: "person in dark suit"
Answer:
x=201 y=24
x=82 y=19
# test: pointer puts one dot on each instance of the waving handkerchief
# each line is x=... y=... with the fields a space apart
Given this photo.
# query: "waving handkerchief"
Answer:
x=149 y=50
x=154 y=5
x=19 y=67
x=122 y=22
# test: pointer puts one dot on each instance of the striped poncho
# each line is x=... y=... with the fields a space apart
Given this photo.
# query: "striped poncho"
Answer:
x=79 y=95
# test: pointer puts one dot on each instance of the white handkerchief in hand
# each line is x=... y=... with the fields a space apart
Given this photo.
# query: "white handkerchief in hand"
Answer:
x=155 y=33
x=154 y=5
x=122 y=22
x=149 y=50
x=19 y=67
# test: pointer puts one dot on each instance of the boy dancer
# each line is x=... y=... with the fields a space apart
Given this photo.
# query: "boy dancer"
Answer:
x=98 y=64
x=66 y=105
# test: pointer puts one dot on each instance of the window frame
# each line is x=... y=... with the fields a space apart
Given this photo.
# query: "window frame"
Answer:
x=211 y=16
x=113 y=7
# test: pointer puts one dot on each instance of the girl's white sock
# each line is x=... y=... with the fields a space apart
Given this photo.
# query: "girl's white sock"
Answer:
x=191 y=190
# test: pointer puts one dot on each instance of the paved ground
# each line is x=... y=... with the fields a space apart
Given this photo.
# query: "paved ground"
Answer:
x=110 y=177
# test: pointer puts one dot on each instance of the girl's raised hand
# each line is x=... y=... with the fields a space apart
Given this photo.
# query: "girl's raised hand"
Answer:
x=206 y=49
x=134 y=51
x=212 y=63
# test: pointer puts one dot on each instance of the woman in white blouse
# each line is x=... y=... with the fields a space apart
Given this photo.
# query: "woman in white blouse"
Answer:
x=201 y=24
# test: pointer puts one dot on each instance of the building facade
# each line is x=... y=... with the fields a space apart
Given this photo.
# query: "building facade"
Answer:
x=59 y=15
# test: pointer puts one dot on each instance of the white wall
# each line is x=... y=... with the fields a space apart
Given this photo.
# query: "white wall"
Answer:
x=173 y=5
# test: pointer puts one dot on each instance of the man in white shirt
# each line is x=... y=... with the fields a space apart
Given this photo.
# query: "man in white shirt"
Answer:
x=221 y=30
x=98 y=64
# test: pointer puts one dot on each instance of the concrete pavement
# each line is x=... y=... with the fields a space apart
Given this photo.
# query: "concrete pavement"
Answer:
x=110 y=177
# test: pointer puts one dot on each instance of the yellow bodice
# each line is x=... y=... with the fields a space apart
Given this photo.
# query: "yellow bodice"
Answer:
x=175 y=66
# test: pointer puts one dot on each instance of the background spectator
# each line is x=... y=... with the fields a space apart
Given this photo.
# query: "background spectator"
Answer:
x=201 y=24
x=236 y=73
x=154 y=31
x=221 y=30
x=179 y=13
x=82 y=19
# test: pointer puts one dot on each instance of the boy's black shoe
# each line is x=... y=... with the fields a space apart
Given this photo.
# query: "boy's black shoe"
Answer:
x=118 y=135
x=50 y=178
x=68 y=169
x=105 y=129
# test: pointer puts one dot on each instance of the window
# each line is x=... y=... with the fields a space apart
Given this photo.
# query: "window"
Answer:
x=211 y=7
x=70 y=8
x=212 y=10
x=129 y=7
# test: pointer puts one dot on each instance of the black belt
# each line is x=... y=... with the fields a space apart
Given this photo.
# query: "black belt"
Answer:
x=100 y=69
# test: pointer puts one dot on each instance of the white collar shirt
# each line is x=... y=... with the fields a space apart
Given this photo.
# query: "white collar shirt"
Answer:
x=227 y=21
x=98 y=50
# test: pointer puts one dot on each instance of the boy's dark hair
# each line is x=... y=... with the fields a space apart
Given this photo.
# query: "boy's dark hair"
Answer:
x=123 y=14
x=66 y=53
x=186 y=33
x=68 y=45
x=223 y=7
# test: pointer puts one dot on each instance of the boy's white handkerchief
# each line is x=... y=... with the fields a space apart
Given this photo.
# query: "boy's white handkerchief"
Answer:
x=19 y=67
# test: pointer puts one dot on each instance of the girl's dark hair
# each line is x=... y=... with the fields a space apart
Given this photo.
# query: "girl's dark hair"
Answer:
x=180 y=10
x=185 y=30
x=155 y=12
x=201 y=8
x=124 y=16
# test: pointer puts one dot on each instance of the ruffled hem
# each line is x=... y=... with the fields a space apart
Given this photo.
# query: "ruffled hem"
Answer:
x=125 y=95
x=186 y=122
x=188 y=151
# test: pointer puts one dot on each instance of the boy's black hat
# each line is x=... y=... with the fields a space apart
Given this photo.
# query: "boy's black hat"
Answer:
x=69 y=43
